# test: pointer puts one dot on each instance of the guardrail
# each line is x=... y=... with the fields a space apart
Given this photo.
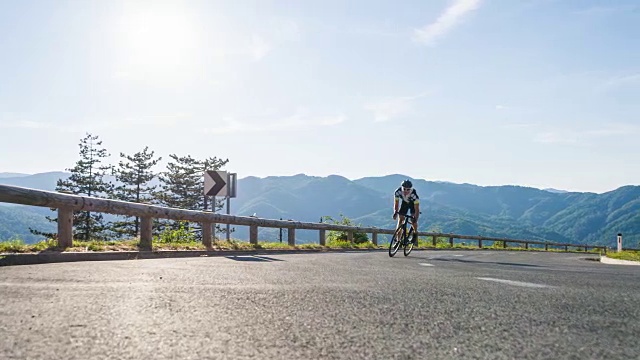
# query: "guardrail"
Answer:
x=66 y=204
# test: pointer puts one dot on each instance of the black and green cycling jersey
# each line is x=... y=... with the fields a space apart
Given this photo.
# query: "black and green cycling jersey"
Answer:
x=410 y=199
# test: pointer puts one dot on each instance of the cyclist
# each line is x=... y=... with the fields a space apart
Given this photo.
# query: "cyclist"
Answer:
x=406 y=199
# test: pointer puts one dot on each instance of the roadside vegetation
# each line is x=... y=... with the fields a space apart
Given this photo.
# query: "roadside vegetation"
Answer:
x=184 y=239
x=625 y=255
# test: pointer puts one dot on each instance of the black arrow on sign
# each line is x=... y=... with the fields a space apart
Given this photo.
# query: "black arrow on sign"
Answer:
x=218 y=182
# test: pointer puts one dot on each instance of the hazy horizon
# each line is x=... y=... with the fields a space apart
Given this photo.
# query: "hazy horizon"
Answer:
x=536 y=93
x=3 y=173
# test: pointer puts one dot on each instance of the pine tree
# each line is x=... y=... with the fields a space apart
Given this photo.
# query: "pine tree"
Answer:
x=133 y=175
x=88 y=178
x=183 y=182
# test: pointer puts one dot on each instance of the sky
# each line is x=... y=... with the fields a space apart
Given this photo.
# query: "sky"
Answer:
x=537 y=93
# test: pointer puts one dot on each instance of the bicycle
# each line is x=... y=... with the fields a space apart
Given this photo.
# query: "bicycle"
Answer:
x=402 y=237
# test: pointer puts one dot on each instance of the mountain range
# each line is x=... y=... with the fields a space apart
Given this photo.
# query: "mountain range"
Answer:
x=501 y=211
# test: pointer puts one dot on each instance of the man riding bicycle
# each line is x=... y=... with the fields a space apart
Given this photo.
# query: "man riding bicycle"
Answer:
x=406 y=199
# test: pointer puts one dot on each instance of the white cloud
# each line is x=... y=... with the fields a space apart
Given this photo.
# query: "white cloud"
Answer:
x=155 y=121
x=276 y=34
x=12 y=120
x=287 y=30
x=446 y=21
x=500 y=107
x=521 y=125
x=258 y=48
x=300 y=119
x=376 y=32
x=600 y=10
x=582 y=136
x=556 y=138
x=624 y=80
x=123 y=123
x=392 y=108
x=612 y=130
x=231 y=126
x=24 y=124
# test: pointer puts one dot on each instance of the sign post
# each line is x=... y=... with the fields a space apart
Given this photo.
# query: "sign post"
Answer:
x=228 y=207
x=231 y=193
x=223 y=184
x=619 y=242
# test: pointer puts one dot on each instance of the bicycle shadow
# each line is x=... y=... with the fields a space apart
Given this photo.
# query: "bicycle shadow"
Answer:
x=254 y=258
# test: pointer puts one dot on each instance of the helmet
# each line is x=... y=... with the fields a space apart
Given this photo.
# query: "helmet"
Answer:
x=407 y=184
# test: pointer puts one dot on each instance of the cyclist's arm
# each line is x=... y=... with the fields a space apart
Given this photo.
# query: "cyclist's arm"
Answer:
x=395 y=205
x=416 y=207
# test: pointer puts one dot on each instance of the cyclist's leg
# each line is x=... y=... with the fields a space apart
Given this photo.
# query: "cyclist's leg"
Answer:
x=400 y=220
x=414 y=225
x=401 y=214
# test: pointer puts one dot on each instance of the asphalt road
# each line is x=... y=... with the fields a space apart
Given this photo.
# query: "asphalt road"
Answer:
x=430 y=305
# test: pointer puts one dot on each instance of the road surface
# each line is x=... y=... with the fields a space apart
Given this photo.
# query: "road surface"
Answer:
x=433 y=304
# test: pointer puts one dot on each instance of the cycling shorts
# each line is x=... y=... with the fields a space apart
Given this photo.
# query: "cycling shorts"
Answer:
x=406 y=207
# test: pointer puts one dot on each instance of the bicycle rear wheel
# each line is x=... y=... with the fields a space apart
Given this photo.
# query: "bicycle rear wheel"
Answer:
x=408 y=243
x=394 y=245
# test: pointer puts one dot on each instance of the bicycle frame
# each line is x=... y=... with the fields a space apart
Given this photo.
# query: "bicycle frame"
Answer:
x=402 y=237
x=408 y=221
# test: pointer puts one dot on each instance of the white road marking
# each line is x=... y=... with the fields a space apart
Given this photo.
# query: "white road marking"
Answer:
x=515 y=283
x=458 y=255
x=426 y=264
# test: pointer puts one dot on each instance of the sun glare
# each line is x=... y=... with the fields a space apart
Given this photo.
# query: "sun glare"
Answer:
x=157 y=41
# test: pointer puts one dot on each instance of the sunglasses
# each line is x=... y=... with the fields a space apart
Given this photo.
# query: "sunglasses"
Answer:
x=406 y=189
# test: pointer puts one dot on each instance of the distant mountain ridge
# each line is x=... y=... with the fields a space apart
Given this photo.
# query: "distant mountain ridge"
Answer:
x=556 y=191
x=502 y=211
x=10 y=175
x=41 y=181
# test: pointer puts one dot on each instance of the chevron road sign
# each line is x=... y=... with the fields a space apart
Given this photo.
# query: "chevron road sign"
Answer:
x=215 y=183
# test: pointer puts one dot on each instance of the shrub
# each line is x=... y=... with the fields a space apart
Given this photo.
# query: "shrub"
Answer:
x=341 y=236
x=179 y=235
x=12 y=245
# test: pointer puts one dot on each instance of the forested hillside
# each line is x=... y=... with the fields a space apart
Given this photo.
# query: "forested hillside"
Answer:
x=504 y=211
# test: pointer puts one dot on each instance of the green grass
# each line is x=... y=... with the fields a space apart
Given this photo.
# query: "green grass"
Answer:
x=18 y=246
x=344 y=244
x=625 y=255
x=14 y=245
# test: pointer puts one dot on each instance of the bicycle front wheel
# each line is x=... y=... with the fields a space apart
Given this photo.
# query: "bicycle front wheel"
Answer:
x=408 y=243
x=394 y=245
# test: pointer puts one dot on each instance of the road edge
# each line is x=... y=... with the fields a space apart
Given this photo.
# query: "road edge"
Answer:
x=608 y=260
x=53 y=257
